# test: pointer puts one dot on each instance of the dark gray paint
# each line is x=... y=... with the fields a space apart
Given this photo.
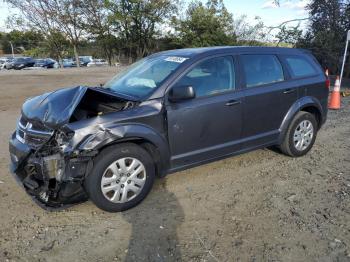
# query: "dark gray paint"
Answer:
x=185 y=133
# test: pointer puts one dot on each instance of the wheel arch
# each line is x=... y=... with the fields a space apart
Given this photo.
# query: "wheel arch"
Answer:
x=149 y=146
x=314 y=110
x=146 y=137
x=306 y=104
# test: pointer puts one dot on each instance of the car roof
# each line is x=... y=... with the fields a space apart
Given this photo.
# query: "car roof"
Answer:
x=192 y=52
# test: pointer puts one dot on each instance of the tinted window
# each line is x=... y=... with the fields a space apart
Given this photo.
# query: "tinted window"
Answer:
x=212 y=76
x=300 y=66
x=261 y=69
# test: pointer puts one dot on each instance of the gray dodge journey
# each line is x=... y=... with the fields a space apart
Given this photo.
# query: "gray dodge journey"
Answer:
x=170 y=111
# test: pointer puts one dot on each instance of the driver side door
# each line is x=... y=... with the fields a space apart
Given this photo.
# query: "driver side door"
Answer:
x=208 y=126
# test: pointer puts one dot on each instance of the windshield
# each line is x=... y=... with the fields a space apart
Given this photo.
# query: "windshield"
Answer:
x=143 y=77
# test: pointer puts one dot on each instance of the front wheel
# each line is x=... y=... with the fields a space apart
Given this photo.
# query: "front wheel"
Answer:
x=301 y=135
x=121 y=178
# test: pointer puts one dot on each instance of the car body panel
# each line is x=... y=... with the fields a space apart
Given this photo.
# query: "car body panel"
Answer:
x=204 y=127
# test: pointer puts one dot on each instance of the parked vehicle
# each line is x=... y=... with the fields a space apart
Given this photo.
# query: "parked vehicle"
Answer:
x=85 y=60
x=97 y=62
x=4 y=60
x=45 y=63
x=168 y=112
x=68 y=63
x=19 y=63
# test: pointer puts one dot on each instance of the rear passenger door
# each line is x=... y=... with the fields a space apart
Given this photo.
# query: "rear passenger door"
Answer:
x=268 y=97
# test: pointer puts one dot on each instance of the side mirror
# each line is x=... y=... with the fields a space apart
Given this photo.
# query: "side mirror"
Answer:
x=181 y=93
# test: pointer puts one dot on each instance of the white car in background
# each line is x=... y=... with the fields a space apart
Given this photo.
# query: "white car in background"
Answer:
x=97 y=62
x=4 y=61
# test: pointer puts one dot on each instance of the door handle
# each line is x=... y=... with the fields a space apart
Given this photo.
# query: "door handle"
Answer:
x=233 y=102
x=289 y=91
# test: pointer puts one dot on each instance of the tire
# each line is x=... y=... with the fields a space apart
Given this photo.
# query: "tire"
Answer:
x=290 y=142
x=111 y=159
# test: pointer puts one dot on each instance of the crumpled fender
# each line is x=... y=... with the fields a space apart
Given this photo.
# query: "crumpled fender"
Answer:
x=103 y=136
x=295 y=108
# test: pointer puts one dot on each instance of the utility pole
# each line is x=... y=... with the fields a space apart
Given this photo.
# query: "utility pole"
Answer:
x=13 y=53
x=344 y=59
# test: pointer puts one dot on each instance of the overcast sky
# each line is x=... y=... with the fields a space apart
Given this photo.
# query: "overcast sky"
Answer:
x=267 y=10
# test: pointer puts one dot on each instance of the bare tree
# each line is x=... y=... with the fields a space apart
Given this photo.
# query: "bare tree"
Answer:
x=67 y=14
x=247 y=32
x=36 y=14
x=52 y=17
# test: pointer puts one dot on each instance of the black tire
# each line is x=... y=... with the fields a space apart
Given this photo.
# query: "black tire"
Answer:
x=107 y=156
x=288 y=147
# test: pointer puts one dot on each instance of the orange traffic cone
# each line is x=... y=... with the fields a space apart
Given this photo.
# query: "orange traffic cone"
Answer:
x=334 y=103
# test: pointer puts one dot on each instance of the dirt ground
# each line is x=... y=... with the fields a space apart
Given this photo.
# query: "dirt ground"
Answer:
x=260 y=206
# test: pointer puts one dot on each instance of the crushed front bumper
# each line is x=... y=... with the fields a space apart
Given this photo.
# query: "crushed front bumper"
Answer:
x=43 y=187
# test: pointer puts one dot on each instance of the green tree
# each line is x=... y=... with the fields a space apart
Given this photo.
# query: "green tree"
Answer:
x=207 y=24
x=98 y=24
x=138 y=23
x=326 y=34
x=21 y=40
x=289 y=35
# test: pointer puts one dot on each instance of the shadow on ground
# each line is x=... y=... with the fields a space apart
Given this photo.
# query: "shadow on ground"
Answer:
x=154 y=227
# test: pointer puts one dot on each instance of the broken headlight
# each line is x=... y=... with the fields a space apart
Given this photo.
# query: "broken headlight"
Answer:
x=63 y=140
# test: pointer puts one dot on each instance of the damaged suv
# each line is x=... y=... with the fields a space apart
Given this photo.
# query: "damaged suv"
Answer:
x=168 y=112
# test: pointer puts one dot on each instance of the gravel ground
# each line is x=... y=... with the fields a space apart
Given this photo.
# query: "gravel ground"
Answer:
x=260 y=206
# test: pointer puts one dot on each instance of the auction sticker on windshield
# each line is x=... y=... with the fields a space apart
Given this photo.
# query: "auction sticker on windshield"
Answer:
x=176 y=59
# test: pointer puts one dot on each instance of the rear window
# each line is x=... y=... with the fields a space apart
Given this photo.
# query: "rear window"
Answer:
x=300 y=66
x=262 y=69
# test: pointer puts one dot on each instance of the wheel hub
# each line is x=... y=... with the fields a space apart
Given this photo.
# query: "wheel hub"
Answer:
x=303 y=135
x=123 y=180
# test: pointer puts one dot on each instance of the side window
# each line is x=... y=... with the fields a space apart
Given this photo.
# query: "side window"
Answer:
x=262 y=69
x=212 y=76
x=300 y=66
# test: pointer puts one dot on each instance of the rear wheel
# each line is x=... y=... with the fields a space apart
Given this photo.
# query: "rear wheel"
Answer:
x=121 y=178
x=301 y=135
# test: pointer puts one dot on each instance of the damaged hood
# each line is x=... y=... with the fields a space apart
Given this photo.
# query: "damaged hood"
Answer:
x=55 y=109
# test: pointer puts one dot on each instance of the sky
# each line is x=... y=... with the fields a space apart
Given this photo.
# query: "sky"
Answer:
x=270 y=14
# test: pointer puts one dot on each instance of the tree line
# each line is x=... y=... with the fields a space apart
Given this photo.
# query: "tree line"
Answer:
x=131 y=29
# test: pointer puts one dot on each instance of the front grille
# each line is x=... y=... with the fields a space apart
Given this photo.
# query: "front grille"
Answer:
x=34 y=135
